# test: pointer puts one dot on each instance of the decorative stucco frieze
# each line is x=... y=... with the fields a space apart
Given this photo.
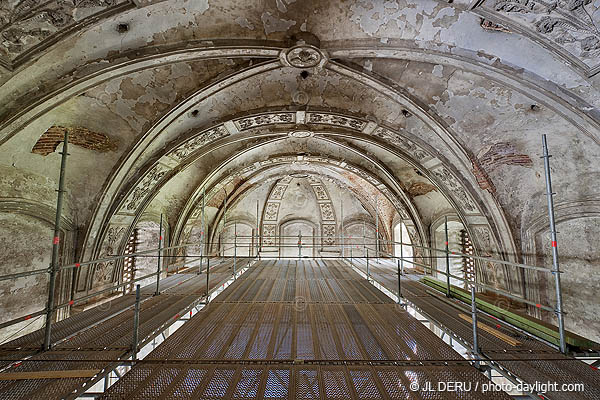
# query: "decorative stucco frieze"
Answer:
x=336 y=120
x=29 y=26
x=455 y=189
x=246 y=123
x=567 y=27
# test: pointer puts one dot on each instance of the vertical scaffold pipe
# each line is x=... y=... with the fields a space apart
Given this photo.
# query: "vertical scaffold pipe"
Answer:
x=158 y=264
x=56 y=244
x=447 y=258
x=555 y=265
x=136 y=322
x=234 y=247
x=202 y=232
x=474 y=320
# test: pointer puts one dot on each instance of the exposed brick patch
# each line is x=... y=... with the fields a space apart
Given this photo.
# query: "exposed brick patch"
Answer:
x=83 y=137
x=492 y=157
x=492 y=26
x=420 y=188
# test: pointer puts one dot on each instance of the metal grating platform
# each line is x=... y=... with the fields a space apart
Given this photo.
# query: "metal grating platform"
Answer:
x=106 y=339
x=532 y=361
x=300 y=329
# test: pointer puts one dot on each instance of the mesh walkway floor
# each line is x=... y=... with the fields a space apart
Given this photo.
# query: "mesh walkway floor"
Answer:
x=97 y=338
x=532 y=361
x=300 y=329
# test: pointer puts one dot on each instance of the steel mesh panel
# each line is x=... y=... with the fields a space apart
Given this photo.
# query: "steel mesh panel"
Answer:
x=277 y=385
x=248 y=383
x=307 y=384
x=263 y=337
x=348 y=342
x=304 y=337
x=364 y=385
x=370 y=344
x=335 y=385
x=327 y=346
x=283 y=337
x=238 y=346
x=219 y=383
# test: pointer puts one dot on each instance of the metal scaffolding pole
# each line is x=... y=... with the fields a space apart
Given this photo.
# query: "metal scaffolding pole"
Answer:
x=367 y=263
x=474 y=320
x=401 y=249
x=342 y=226
x=257 y=230
x=299 y=245
x=56 y=244
x=207 y=277
x=555 y=266
x=400 y=265
x=377 y=227
x=202 y=231
x=159 y=266
x=234 y=247
x=447 y=258
x=136 y=323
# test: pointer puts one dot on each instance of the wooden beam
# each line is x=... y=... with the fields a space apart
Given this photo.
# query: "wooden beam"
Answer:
x=73 y=373
x=492 y=331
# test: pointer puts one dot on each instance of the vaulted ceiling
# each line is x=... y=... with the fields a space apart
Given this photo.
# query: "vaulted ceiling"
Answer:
x=433 y=107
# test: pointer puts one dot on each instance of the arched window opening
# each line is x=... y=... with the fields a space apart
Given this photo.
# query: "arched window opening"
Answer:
x=468 y=263
x=129 y=264
x=406 y=248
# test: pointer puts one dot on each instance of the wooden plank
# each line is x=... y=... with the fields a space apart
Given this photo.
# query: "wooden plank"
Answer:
x=73 y=373
x=492 y=331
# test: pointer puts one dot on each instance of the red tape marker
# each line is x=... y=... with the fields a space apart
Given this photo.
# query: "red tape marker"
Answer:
x=554 y=243
x=175 y=317
x=71 y=302
x=56 y=240
x=160 y=238
x=538 y=305
x=27 y=317
x=596 y=368
x=498 y=326
x=446 y=243
x=77 y=265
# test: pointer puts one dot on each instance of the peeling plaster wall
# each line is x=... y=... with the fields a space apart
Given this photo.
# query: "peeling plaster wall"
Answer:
x=579 y=259
x=26 y=295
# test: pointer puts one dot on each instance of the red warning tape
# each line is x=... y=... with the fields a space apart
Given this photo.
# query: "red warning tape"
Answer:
x=175 y=317
x=498 y=326
x=446 y=243
x=554 y=243
x=27 y=317
x=56 y=240
x=71 y=302
x=77 y=265
x=160 y=238
x=596 y=368
x=538 y=305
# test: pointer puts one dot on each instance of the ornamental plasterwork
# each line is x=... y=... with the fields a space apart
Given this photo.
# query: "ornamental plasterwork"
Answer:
x=320 y=192
x=269 y=235
x=103 y=272
x=455 y=188
x=27 y=26
x=337 y=120
x=329 y=234
x=567 y=26
x=399 y=141
x=326 y=212
x=277 y=193
x=303 y=56
x=271 y=211
x=145 y=186
x=183 y=151
x=264 y=119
